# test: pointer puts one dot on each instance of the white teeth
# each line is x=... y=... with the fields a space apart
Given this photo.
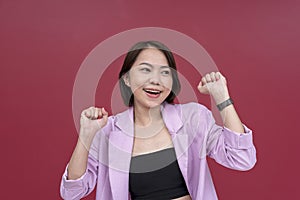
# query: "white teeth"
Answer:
x=153 y=91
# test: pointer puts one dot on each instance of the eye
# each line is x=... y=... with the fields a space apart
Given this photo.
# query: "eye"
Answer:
x=145 y=69
x=165 y=72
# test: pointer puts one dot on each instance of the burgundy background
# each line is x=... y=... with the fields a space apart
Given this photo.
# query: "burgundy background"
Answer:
x=42 y=44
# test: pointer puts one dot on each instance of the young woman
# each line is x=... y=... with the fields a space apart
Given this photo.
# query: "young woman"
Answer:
x=156 y=149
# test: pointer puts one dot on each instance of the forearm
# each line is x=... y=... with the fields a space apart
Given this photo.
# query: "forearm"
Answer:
x=231 y=119
x=78 y=162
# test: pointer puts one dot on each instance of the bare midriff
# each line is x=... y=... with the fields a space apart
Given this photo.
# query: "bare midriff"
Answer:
x=187 y=197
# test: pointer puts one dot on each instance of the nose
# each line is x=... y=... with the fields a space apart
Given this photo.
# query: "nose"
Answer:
x=155 y=79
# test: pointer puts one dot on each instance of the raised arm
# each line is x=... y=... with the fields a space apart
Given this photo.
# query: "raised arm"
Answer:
x=215 y=84
x=231 y=145
x=91 y=120
x=80 y=176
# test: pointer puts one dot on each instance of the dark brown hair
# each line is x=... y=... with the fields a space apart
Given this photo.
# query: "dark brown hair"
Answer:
x=130 y=58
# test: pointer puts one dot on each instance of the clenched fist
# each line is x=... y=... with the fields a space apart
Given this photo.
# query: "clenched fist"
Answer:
x=91 y=120
x=215 y=84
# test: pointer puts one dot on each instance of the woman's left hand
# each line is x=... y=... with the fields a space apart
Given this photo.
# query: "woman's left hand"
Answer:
x=215 y=84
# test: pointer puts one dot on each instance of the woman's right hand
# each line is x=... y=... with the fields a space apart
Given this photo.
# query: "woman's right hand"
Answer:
x=92 y=119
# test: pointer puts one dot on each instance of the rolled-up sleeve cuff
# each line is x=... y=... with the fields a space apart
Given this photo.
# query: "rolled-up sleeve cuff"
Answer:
x=238 y=140
x=72 y=184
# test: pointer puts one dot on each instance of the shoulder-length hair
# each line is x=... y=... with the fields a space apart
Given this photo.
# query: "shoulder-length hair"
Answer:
x=131 y=57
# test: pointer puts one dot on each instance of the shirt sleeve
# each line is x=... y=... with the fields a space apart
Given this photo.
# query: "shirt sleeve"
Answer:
x=228 y=148
x=81 y=187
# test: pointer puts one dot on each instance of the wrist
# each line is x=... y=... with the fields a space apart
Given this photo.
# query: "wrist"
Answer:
x=220 y=99
x=224 y=104
x=86 y=138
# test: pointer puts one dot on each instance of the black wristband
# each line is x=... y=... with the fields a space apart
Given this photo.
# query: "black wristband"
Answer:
x=224 y=104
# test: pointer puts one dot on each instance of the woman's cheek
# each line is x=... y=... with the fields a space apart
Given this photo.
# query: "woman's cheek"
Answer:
x=168 y=83
x=137 y=84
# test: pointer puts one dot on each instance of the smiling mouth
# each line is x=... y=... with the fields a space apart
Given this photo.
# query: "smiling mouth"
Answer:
x=152 y=91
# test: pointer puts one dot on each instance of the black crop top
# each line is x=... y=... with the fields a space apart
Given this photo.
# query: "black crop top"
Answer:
x=156 y=176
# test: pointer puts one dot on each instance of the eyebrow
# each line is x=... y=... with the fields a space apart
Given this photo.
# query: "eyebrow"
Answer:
x=150 y=65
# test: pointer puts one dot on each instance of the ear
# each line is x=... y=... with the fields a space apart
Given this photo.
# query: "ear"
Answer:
x=126 y=79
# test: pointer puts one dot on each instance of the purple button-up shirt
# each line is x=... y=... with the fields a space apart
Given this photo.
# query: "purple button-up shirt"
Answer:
x=194 y=135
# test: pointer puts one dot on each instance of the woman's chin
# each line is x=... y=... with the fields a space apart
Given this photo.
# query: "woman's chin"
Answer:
x=149 y=104
x=153 y=104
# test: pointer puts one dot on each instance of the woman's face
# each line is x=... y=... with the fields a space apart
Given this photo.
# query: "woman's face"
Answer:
x=150 y=78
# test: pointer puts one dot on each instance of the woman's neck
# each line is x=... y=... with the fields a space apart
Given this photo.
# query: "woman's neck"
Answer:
x=144 y=116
